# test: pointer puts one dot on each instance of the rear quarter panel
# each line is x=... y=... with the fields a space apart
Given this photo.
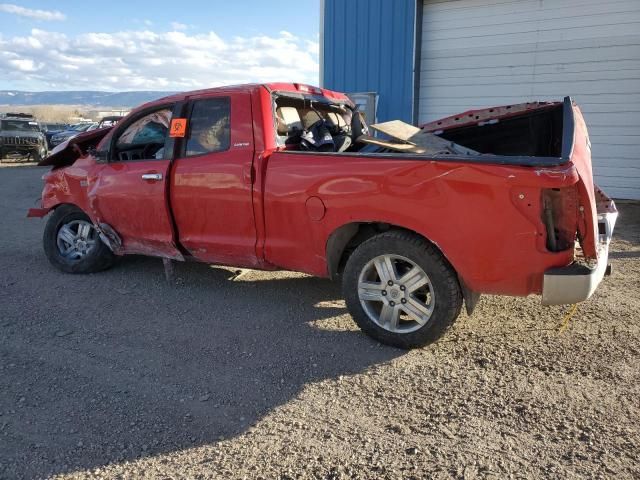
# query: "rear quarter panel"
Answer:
x=484 y=218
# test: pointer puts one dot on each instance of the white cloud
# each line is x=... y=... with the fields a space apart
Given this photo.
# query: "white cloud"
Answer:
x=150 y=60
x=23 y=65
x=46 y=15
x=179 y=26
x=312 y=47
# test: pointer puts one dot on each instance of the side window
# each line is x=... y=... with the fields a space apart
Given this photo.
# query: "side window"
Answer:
x=209 y=127
x=144 y=138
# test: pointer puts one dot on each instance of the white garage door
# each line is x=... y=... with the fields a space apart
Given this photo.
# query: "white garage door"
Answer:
x=479 y=53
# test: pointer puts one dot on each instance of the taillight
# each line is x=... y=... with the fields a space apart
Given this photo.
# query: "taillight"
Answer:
x=560 y=217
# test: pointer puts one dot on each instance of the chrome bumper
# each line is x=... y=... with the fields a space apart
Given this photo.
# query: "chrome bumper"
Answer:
x=575 y=283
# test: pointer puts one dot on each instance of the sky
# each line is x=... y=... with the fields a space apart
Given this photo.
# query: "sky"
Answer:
x=120 y=45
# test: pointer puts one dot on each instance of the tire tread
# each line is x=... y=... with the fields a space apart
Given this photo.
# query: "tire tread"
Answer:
x=449 y=294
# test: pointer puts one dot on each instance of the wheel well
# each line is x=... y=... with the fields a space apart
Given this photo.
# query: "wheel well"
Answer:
x=346 y=239
x=69 y=206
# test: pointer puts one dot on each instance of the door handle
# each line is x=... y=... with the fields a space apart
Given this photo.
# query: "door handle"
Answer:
x=152 y=176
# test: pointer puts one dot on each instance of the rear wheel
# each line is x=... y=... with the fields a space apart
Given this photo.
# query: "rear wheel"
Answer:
x=72 y=244
x=400 y=290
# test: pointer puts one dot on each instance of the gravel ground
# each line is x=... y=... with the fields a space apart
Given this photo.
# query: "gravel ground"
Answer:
x=263 y=375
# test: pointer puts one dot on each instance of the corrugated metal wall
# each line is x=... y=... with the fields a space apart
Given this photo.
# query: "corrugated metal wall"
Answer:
x=479 y=53
x=368 y=47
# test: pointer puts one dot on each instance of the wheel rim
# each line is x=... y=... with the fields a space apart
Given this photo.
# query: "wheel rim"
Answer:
x=396 y=293
x=76 y=239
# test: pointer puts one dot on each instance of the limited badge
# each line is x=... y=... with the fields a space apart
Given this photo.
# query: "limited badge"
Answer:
x=178 y=127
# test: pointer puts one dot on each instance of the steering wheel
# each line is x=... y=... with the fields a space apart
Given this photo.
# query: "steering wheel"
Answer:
x=150 y=149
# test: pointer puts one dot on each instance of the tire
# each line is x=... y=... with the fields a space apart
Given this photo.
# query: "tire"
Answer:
x=89 y=257
x=427 y=299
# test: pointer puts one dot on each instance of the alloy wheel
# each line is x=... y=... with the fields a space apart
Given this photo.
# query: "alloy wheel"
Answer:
x=76 y=239
x=396 y=293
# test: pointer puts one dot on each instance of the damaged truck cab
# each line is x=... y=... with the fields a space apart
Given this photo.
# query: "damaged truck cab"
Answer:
x=415 y=221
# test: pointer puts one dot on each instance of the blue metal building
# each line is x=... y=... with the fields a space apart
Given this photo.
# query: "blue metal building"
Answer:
x=368 y=46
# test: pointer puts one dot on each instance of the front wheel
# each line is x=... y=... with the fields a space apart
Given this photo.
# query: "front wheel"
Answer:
x=72 y=244
x=34 y=156
x=400 y=290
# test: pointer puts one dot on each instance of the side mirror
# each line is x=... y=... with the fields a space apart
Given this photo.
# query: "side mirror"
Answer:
x=101 y=156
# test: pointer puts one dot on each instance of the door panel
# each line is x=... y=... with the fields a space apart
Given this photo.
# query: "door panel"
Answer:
x=135 y=207
x=211 y=192
x=130 y=192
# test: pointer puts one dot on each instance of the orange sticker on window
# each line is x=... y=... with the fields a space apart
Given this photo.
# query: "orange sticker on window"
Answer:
x=178 y=127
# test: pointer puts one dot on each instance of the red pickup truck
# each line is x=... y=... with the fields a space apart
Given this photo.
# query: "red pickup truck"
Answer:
x=287 y=176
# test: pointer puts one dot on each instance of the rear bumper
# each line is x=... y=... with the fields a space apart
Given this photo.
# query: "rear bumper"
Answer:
x=575 y=283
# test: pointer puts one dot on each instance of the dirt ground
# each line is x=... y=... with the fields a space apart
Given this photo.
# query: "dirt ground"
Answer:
x=264 y=375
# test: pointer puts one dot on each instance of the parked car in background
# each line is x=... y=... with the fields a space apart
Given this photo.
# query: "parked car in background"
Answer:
x=109 y=121
x=499 y=200
x=21 y=138
x=71 y=132
x=50 y=129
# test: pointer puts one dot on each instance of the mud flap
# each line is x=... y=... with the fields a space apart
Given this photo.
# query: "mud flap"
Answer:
x=37 y=212
x=471 y=298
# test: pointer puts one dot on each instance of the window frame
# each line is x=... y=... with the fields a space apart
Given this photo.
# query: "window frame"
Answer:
x=122 y=126
x=182 y=149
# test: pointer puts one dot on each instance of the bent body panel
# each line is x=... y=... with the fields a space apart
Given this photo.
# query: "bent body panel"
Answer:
x=473 y=213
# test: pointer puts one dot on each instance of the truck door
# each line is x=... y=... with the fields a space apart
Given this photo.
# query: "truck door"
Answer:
x=128 y=193
x=212 y=180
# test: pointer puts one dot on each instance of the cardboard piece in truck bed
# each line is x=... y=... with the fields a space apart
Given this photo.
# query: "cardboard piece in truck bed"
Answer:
x=422 y=141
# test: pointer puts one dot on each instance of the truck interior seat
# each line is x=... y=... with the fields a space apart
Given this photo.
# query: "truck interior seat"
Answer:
x=290 y=120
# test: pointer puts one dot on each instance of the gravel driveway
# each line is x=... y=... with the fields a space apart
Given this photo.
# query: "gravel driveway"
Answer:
x=250 y=374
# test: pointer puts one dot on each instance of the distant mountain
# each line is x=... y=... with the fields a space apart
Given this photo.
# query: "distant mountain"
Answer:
x=98 y=99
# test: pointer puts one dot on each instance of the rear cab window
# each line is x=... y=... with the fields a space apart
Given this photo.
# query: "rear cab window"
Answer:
x=209 y=127
x=316 y=123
